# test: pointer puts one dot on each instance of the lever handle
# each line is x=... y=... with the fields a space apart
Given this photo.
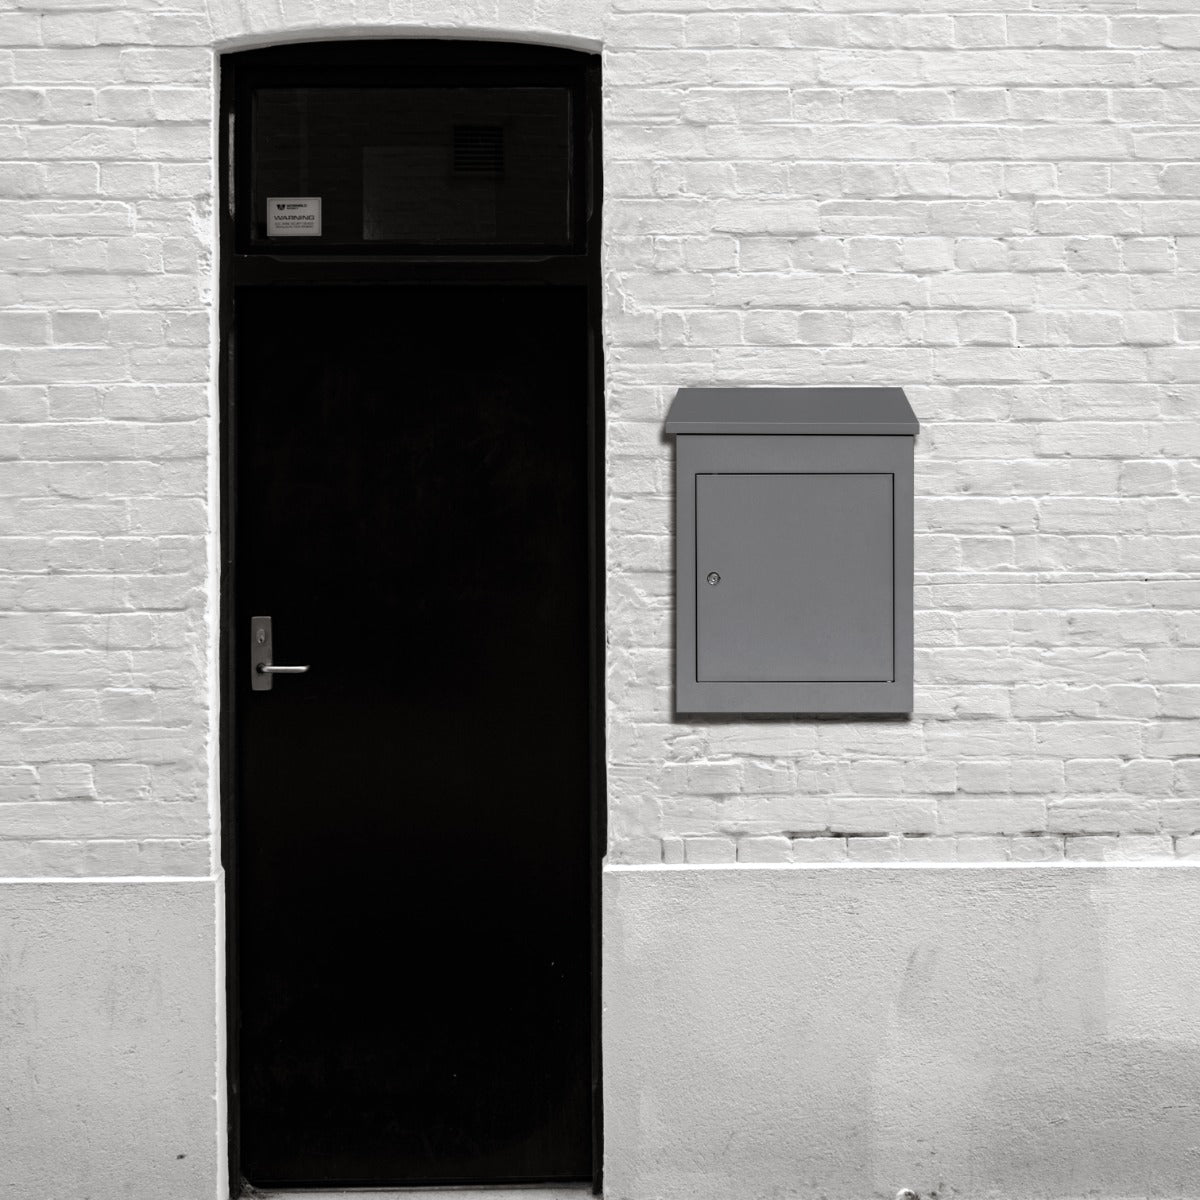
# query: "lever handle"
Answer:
x=261 y=652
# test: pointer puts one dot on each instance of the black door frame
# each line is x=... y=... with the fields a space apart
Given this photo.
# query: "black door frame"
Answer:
x=580 y=266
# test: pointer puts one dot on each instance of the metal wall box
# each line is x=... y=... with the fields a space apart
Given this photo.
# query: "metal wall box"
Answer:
x=794 y=550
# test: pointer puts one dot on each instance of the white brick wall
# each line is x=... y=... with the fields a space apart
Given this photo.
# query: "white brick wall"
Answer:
x=106 y=187
x=999 y=210
x=995 y=204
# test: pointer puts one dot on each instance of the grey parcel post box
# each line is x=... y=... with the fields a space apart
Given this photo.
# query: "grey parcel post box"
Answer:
x=794 y=549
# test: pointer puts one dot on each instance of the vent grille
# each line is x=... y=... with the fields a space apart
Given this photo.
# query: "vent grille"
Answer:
x=479 y=150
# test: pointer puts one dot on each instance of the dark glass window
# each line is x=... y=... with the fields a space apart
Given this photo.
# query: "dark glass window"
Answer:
x=415 y=166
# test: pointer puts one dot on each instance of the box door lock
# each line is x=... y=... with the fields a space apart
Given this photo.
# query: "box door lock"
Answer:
x=262 y=669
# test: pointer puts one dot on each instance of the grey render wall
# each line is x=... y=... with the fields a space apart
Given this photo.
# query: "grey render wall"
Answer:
x=992 y=204
x=841 y=1032
x=113 y=1074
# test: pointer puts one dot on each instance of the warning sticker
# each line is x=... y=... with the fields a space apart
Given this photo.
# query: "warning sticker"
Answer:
x=293 y=216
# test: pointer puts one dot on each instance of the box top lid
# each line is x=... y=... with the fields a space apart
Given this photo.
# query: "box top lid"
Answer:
x=822 y=410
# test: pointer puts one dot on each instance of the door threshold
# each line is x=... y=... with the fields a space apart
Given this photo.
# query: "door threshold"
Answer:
x=520 y=1191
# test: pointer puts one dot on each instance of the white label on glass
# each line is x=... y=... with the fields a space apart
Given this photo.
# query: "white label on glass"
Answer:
x=293 y=216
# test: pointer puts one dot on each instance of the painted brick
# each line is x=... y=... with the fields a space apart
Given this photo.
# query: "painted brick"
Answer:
x=764 y=849
x=823 y=850
x=1127 y=848
x=709 y=850
x=996 y=207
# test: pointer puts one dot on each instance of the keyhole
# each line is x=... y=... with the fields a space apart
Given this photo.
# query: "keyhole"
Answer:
x=713 y=578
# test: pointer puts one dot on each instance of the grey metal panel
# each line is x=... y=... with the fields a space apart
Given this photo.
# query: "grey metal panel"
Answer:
x=740 y=455
x=826 y=411
x=802 y=570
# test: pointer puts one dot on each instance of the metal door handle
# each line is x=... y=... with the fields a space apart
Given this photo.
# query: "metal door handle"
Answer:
x=261 y=652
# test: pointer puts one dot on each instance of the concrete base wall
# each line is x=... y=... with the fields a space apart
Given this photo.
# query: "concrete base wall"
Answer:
x=845 y=1032
x=768 y=1032
x=110 y=1064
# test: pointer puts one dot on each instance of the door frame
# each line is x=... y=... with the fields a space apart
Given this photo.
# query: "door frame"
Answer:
x=580 y=267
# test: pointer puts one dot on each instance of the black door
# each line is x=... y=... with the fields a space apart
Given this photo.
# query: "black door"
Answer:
x=410 y=499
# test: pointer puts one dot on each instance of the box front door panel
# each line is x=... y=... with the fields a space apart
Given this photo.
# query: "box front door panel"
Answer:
x=794 y=577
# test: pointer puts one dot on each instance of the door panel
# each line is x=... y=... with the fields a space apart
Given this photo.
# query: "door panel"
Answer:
x=413 y=879
x=801 y=568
